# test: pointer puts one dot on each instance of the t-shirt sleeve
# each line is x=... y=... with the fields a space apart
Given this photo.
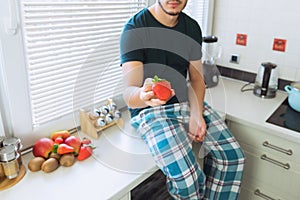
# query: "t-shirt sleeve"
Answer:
x=130 y=45
x=196 y=43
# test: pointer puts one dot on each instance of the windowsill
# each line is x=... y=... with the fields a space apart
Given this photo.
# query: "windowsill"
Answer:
x=119 y=163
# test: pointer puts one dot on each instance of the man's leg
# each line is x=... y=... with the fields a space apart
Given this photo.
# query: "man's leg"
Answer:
x=224 y=162
x=163 y=131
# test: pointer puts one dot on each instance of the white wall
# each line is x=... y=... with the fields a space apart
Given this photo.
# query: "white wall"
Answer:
x=262 y=21
x=151 y=2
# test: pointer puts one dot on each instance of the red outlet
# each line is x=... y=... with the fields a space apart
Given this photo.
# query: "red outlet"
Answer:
x=279 y=45
x=241 y=39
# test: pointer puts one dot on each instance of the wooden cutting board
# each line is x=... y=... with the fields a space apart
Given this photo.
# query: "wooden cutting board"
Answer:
x=7 y=183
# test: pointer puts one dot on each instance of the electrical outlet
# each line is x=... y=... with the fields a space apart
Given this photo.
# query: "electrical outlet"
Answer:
x=241 y=39
x=235 y=58
x=279 y=44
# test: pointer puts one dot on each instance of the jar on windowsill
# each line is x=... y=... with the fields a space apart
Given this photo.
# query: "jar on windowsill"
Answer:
x=2 y=175
x=9 y=161
x=18 y=145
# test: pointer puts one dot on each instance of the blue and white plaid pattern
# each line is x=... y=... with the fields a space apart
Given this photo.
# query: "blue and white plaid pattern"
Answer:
x=224 y=162
x=163 y=128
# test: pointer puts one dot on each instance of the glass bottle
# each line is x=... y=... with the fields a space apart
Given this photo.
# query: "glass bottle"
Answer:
x=9 y=161
x=18 y=145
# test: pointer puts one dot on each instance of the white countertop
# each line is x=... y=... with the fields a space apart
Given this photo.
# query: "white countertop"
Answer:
x=247 y=108
x=121 y=160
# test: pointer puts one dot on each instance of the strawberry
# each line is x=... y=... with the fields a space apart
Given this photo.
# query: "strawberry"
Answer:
x=85 y=152
x=86 y=141
x=161 y=88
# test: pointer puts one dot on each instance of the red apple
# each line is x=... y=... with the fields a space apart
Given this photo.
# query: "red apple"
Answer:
x=43 y=147
x=74 y=142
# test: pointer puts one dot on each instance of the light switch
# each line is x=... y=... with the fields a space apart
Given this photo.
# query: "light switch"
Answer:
x=235 y=58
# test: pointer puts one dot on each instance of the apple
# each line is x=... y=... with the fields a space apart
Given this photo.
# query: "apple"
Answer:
x=74 y=142
x=43 y=147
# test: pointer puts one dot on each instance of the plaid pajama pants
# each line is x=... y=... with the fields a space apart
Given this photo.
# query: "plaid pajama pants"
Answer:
x=164 y=130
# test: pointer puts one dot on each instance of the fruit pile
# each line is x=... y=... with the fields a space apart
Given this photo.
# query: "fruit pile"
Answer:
x=61 y=149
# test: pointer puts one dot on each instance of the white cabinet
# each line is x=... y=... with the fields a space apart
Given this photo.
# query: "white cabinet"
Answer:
x=272 y=169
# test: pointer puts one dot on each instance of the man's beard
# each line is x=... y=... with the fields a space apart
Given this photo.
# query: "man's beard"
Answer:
x=169 y=13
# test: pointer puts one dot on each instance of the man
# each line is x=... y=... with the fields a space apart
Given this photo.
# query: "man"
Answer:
x=162 y=40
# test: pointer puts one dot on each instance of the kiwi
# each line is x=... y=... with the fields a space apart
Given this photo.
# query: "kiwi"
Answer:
x=35 y=164
x=67 y=160
x=55 y=155
x=50 y=165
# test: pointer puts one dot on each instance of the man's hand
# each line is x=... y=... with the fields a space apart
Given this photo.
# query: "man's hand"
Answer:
x=147 y=95
x=197 y=129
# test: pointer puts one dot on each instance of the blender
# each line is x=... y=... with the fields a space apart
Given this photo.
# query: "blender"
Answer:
x=211 y=52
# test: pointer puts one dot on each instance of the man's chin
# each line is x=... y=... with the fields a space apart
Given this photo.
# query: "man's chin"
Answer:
x=173 y=13
x=169 y=12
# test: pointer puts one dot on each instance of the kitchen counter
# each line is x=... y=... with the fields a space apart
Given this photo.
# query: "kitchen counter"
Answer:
x=119 y=163
x=245 y=107
x=121 y=160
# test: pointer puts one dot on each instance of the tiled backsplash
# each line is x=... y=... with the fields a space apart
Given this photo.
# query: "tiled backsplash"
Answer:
x=247 y=76
x=262 y=22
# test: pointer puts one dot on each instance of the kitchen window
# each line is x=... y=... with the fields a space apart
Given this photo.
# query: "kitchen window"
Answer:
x=202 y=12
x=59 y=56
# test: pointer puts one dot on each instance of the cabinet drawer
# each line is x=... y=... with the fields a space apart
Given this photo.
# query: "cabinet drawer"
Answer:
x=265 y=156
x=272 y=176
x=258 y=193
x=255 y=190
x=266 y=141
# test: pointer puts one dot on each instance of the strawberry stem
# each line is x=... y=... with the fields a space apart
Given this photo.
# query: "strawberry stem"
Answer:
x=155 y=79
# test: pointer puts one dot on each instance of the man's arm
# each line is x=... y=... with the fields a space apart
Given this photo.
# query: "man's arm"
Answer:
x=138 y=94
x=197 y=85
x=196 y=97
x=133 y=82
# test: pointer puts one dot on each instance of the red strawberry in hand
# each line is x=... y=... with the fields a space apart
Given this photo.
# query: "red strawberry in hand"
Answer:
x=161 y=88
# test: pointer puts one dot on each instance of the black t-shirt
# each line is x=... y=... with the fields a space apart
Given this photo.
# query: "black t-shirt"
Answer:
x=164 y=51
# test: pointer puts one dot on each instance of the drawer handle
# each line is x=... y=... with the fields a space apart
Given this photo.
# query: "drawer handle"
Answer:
x=271 y=146
x=257 y=192
x=276 y=162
